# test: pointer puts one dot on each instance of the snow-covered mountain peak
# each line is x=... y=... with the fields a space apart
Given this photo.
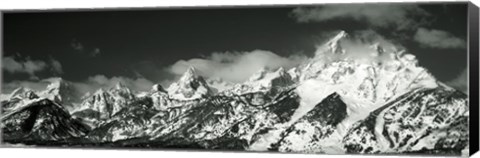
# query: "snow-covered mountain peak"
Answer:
x=100 y=91
x=219 y=84
x=120 y=85
x=61 y=91
x=334 y=41
x=333 y=45
x=258 y=75
x=17 y=91
x=369 y=79
x=189 y=86
x=107 y=102
x=265 y=75
x=358 y=47
x=189 y=74
x=121 y=90
x=409 y=59
x=56 y=87
x=55 y=83
x=281 y=71
x=294 y=73
x=22 y=92
x=158 y=88
x=265 y=80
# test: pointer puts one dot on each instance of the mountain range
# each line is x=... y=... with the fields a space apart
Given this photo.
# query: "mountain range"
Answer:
x=332 y=103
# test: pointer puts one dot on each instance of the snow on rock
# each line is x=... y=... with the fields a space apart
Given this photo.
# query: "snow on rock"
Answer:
x=425 y=120
x=20 y=92
x=372 y=83
x=219 y=85
x=264 y=80
x=130 y=122
x=63 y=92
x=122 y=97
x=158 y=88
x=310 y=133
x=333 y=45
x=18 y=98
x=189 y=86
x=4 y=97
x=103 y=104
x=42 y=120
x=283 y=106
x=159 y=97
x=294 y=74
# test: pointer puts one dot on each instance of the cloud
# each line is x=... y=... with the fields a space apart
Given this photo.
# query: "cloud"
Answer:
x=153 y=70
x=438 y=39
x=56 y=66
x=236 y=66
x=360 y=46
x=91 y=84
x=31 y=67
x=460 y=82
x=95 y=52
x=138 y=84
x=405 y=19
x=28 y=66
x=11 y=65
x=399 y=16
x=80 y=48
x=34 y=85
x=76 y=45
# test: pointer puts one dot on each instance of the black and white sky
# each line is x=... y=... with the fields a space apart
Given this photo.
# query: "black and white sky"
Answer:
x=140 y=47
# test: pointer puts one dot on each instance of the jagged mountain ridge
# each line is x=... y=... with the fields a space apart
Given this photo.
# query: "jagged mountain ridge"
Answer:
x=189 y=86
x=275 y=107
x=41 y=120
x=108 y=102
x=309 y=132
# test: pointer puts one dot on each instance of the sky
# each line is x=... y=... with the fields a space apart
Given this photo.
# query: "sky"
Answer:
x=97 y=48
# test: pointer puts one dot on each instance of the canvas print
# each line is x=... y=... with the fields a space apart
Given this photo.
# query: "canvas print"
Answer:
x=372 y=78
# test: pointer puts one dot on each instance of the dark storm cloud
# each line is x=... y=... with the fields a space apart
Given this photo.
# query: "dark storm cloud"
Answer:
x=29 y=66
x=399 y=16
x=438 y=39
